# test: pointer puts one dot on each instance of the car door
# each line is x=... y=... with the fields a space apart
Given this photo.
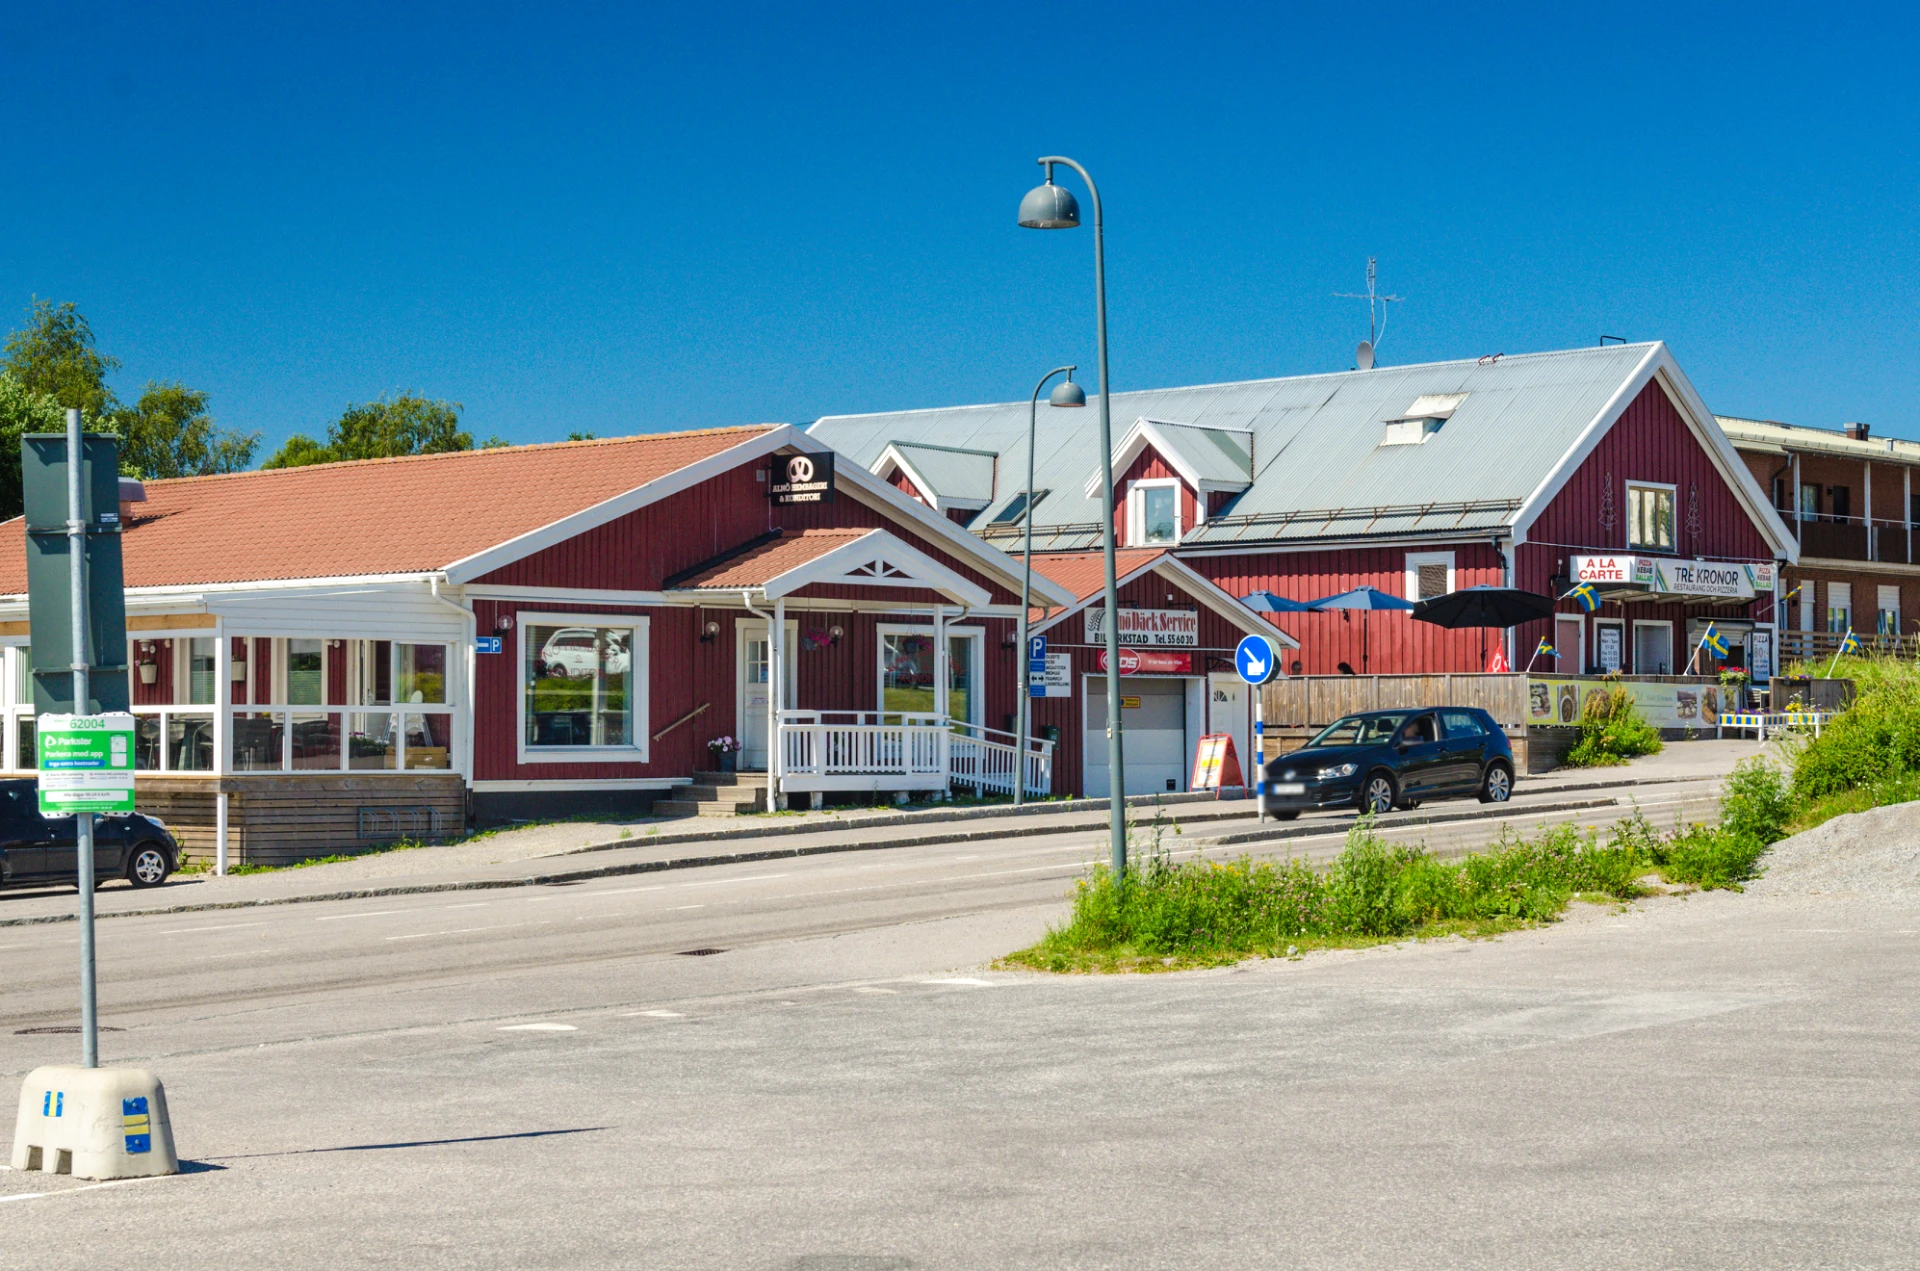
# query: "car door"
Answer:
x=1418 y=756
x=1464 y=743
x=25 y=833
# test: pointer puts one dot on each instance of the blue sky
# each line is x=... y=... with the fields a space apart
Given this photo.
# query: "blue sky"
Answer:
x=634 y=218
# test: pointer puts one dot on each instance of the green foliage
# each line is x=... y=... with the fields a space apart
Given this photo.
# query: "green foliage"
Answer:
x=22 y=411
x=1756 y=804
x=409 y=424
x=168 y=433
x=1612 y=731
x=54 y=356
x=1871 y=743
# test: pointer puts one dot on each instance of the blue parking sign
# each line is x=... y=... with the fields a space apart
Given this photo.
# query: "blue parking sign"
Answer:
x=1036 y=648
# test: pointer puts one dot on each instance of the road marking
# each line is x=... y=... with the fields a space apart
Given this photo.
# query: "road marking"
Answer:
x=656 y=1014
x=371 y=913
x=537 y=1028
x=678 y=908
x=478 y=904
x=458 y=931
x=23 y=1196
x=234 y=926
x=869 y=988
x=723 y=882
x=617 y=891
x=961 y=979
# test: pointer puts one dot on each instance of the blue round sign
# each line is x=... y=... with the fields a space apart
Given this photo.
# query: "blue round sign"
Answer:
x=1256 y=659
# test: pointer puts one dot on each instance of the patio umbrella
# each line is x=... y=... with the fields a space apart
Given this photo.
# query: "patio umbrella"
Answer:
x=1484 y=607
x=1267 y=602
x=1366 y=599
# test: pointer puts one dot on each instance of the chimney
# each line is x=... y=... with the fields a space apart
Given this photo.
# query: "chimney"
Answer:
x=131 y=492
x=1857 y=431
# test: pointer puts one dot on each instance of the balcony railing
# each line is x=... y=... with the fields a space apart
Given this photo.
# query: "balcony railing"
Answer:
x=1853 y=538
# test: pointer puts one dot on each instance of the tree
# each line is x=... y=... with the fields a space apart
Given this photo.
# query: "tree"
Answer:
x=409 y=424
x=168 y=433
x=21 y=411
x=54 y=355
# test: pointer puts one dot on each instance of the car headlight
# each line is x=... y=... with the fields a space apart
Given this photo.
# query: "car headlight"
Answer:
x=1339 y=770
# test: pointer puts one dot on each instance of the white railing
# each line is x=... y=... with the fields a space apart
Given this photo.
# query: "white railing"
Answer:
x=870 y=750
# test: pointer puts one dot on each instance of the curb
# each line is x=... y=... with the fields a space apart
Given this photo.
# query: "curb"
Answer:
x=1492 y=812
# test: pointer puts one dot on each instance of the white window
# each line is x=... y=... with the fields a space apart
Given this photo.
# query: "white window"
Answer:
x=1806 y=606
x=1653 y=648
x=1650 y=517
x=1839 y=606
x=908 y=676
x=583 y=695
x=1889 y=623
x=1153 y=512
x=1429 y=574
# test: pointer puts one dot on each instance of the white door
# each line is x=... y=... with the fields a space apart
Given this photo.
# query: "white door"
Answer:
x=1153 y=717
x=752 y=687
x=1230 y=711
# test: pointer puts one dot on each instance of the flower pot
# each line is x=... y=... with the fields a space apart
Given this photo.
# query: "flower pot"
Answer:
x=149 y=672
x=729 y=761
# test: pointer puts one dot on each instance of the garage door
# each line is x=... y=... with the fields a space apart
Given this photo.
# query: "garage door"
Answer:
x=1153 y=717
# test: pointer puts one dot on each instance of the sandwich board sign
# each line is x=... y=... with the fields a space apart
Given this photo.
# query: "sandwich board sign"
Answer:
x=86 y=763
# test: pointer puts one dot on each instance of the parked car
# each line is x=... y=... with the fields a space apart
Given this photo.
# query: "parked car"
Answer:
x=1382 y=760
x=571 y=653
x=38 y=850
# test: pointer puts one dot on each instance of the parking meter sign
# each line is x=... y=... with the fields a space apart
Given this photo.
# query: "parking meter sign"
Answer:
x=86 y=763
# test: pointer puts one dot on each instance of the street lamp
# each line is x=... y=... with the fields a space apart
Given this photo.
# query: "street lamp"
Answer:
x=1048 y=206
x=1066 y=393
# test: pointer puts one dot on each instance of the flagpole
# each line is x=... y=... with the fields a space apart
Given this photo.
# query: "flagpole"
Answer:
x=1844 y=641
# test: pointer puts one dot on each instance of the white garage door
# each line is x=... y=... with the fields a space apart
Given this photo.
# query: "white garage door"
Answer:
x=1153 y=719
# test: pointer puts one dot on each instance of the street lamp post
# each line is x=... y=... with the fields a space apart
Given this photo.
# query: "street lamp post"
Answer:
x=1048 y=206
x=1067 y=393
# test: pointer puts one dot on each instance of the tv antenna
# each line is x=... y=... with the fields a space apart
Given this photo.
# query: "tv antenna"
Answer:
x=1376 y=314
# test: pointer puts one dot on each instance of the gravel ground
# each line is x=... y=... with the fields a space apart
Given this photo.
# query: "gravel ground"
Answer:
x=1868 y=854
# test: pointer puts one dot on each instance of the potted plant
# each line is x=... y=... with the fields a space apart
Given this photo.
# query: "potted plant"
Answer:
x=725 y=752
x=1733 y=683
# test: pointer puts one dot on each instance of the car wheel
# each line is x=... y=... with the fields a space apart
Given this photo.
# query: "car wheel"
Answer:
x=1378 y=794
x=1289 y=814
x=149 y=866
x=1497 y=785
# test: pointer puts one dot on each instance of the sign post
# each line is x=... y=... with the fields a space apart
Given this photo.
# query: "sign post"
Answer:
x=1256 y=660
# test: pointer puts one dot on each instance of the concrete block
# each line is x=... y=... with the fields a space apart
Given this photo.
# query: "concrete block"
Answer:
x=94 y=1123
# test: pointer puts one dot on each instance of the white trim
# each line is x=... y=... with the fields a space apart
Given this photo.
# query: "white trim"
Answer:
x=1415 y=560
x=639 y=685
x=1137 y=510
x=1144 y=432
x=589 y=783
x=893 y=562
x=744 y=630
x=892 y=460
x=1180 y=574
x=1633 y=659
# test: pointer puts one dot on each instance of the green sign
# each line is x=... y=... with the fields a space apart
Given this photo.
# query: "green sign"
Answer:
x=86 y=763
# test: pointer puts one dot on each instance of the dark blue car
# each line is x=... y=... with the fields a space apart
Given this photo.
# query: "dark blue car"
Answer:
x=43 y=851
x=1382 y=760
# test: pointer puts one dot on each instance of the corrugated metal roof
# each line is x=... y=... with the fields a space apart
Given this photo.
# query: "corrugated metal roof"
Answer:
x=948 y=473
x=1319 y=468
x=1773 y=437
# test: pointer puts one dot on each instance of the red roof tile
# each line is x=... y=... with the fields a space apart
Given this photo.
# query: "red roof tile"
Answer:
x=375 y=516
x=771 y=559
x=1084 y=573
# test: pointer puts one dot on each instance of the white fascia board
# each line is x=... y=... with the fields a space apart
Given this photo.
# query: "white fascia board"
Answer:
x=918 y=568
x=1659 y=366
x=470 y=567
x=1222 y=602
x=916 y=516
x=1099 y=593
x=568 y=595
x=1142 y=434
x=892 y=461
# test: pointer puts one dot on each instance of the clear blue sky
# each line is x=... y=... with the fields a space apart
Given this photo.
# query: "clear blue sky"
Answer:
x=640 y=217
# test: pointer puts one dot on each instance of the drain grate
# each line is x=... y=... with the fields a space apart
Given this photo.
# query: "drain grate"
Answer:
x=61 y=1028
x=700 y=953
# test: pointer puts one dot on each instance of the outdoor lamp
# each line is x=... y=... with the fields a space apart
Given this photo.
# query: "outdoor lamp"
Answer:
x=711 y=630
x=1067 y=393
x=1049 y=206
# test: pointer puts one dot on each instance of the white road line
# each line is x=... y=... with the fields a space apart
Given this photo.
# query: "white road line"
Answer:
x=653 y=1014
x=537 y=1028
x=478 y=904
x=23 y=1196
x=234 y=926
x=370 y=913
x=722 y=882
x=677 y=908
x=962 y=979
x=458 y=931
x=870 y=988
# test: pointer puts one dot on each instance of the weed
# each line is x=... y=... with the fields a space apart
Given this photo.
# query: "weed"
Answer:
x=1612 y=731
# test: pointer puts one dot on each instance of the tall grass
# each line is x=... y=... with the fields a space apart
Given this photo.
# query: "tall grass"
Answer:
x=1869 y=754
x=1612 y=731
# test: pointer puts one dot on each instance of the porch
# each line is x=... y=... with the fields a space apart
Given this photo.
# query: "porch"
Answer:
x=822 y=751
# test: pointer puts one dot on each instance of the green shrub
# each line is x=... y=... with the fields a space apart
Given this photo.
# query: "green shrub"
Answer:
x=1757 y=803
x=1708 y=857
x=1873 y=741
x=1612 y=731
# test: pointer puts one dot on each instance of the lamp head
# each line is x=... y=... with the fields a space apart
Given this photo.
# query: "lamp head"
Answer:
x=1049 y=206
x=1067 y=393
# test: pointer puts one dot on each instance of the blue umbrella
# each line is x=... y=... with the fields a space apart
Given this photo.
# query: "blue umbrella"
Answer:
x=1361 y=598
x=1267 y=602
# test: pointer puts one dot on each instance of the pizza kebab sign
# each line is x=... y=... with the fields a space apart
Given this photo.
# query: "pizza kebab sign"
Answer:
x=801 y=479
x=1728 y=580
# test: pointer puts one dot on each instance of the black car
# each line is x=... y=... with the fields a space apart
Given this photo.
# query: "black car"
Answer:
x=38 y=850
x=1381 y=760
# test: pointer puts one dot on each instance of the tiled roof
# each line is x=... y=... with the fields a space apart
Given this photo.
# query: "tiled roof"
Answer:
x=762 y=564
x=375 y=516
x=1085 y=572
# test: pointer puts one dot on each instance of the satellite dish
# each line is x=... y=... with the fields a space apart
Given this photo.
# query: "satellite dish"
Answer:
x=1363 y=357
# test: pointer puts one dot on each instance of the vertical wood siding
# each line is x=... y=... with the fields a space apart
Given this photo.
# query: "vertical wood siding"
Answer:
x=1149 y=466
x=160 y=692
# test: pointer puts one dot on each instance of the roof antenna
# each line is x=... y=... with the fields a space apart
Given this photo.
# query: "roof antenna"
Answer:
x=1376 y=314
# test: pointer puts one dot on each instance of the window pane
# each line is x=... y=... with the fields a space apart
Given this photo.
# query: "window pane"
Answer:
x=370 y=740
x=256 y=741
x=316 y=742
x=190 y=743
x=1433 y=581
x=423 y=673
x=960 y=678
x=27 y=759
x=428 y=741
x=306 y=665
x=201 y=685
x=1160 y=507
x=906 y=674
x=146 y=743
x=578 y=685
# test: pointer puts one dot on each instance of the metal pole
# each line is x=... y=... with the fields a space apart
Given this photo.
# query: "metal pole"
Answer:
x=1026 y=594
x=1116 y=765
x=83 y=821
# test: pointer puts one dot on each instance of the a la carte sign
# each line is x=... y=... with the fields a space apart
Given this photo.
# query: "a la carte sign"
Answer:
x=1730 y=580
x=1147 y=628
x=86 y=763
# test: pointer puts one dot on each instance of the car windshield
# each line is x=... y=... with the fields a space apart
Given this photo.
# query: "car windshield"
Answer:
x=1360 y=730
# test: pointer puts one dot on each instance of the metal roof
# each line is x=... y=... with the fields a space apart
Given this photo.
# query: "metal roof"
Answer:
x=1772 y=437
x=943 y=473
x=1319 y=468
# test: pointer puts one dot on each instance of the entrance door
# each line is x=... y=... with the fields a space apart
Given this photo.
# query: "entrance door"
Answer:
x=1653 y=648
x=1153 y=713
x=1568 y=642
x=752 y=687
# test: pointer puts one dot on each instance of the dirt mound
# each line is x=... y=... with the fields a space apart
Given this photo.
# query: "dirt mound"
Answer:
x=1874 y=853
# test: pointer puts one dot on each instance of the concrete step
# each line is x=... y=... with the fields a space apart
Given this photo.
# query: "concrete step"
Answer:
x=707 y=800
x=730 y=779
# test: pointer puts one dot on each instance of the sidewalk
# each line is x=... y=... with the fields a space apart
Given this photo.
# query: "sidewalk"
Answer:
x=574 y=850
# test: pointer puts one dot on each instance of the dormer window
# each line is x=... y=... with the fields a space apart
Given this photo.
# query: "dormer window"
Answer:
x=1153 y=513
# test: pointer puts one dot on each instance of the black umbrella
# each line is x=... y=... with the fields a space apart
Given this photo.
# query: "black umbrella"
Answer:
x=1484 y=607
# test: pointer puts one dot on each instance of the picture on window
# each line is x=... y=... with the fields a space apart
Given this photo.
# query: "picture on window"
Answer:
x=579 y=685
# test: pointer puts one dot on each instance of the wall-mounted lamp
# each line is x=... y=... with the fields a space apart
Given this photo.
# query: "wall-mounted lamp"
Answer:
x=503 y=623
x=710 y=632
x=836 y=633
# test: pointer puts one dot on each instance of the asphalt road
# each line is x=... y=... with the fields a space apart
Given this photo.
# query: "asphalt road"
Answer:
x=543 y=1078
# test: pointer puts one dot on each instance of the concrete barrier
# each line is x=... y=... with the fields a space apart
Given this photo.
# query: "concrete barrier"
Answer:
x=94 y=1123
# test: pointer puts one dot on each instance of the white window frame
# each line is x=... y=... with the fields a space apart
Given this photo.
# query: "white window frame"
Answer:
x=1673 y=492
x=978 y=635
x=1667 y=626
x=1416 y=559
x=1137 y=511
x=1827 y=612
x=639 y=676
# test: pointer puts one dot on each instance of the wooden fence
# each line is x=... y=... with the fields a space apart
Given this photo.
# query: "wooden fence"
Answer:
x=1307 y=703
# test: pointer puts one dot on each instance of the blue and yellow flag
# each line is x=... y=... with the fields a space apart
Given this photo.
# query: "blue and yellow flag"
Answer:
x=1545 y=650
x=1714 y=641
x=1849 y=643
x=1589 y=598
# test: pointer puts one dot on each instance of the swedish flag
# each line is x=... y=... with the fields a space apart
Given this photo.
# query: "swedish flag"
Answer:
x=1714 y=641
x=1545 y=650
x=1849 y=643
x=1589 y=598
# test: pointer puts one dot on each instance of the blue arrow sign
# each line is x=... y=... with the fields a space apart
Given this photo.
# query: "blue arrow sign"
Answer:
x=1255 y=659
